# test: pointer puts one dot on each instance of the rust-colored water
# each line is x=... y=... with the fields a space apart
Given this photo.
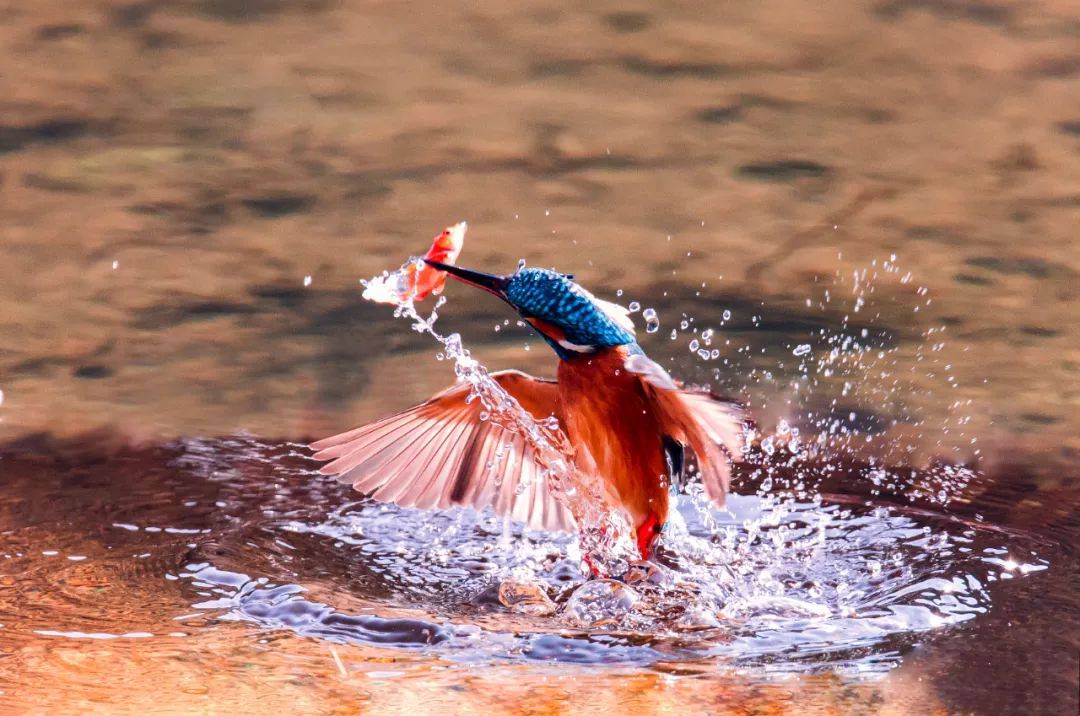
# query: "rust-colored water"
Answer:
x=171 y=172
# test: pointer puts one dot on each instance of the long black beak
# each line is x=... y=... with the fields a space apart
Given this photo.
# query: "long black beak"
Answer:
x=486 y=281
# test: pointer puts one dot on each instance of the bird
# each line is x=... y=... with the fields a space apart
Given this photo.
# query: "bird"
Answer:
x=628 y=424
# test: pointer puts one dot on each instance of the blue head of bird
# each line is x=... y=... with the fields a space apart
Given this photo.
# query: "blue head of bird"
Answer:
x=570 y=319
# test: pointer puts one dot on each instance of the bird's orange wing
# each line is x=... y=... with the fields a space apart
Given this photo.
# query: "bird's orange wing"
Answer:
x=724 y=424
x=724 y=420
x=441 y=453
x=710 y=426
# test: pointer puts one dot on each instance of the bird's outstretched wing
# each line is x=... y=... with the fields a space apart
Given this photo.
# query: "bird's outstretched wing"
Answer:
x=724 y=423
x=724 y=420
x=710 y=426
x=441 y=453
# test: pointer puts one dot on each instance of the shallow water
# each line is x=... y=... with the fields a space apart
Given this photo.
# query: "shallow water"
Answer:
x=161 y=552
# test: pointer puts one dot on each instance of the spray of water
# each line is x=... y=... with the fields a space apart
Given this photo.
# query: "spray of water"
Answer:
x=786 y=563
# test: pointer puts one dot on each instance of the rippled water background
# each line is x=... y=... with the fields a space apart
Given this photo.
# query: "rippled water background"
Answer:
x=170 y=174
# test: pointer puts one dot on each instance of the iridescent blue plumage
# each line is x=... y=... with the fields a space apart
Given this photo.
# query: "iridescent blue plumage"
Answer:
x=552 y=297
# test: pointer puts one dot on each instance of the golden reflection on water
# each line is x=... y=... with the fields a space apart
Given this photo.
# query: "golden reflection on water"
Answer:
x=237 y=670
x=216 y=153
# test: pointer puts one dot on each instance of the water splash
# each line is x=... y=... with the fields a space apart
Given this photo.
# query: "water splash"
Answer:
x=788 y=585
x=782 y=569
x=852 y=384
x=251 y=533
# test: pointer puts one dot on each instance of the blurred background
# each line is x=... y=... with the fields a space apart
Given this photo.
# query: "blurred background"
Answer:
x=190 y=191
x=171 y=172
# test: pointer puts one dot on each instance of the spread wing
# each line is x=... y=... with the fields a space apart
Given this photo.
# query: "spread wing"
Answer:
x=710 y=426
x=440 y=453
x=724 y=424
x=723 y=420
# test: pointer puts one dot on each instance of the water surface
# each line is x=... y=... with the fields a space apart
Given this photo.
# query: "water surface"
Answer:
x=212 y=557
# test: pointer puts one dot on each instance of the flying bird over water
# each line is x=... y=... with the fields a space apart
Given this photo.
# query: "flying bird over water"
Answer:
x=629 y=424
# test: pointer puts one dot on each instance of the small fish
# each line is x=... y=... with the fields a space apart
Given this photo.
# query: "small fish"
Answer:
x=419 y=279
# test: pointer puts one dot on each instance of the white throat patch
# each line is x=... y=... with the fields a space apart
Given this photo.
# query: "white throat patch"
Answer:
x=575 y=347
x=651 y=371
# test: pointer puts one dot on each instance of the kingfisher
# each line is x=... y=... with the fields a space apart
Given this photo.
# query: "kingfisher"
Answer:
x=627 y=422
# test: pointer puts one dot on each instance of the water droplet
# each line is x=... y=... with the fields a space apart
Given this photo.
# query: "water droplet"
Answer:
x=801 y=349
x=600 y=602
x=526 y=596
x=634 y=307
x=652 y=321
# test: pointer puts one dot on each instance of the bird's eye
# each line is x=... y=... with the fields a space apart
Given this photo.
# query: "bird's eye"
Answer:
x=568 y=276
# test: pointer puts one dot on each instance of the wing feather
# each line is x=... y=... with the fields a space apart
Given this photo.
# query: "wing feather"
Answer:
x=440 y=453
x=372 y=450
x=451 y=462
x=451 y=433
x=724 y=420
x=405 y=470
x=329 y=451
x=709 y=425
x=723 y=423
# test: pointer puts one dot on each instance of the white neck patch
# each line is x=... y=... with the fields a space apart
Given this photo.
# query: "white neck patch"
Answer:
x=575 y=347
x=651 y=371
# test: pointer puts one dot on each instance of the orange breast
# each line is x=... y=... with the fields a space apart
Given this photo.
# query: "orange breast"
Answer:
x=615 y=430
